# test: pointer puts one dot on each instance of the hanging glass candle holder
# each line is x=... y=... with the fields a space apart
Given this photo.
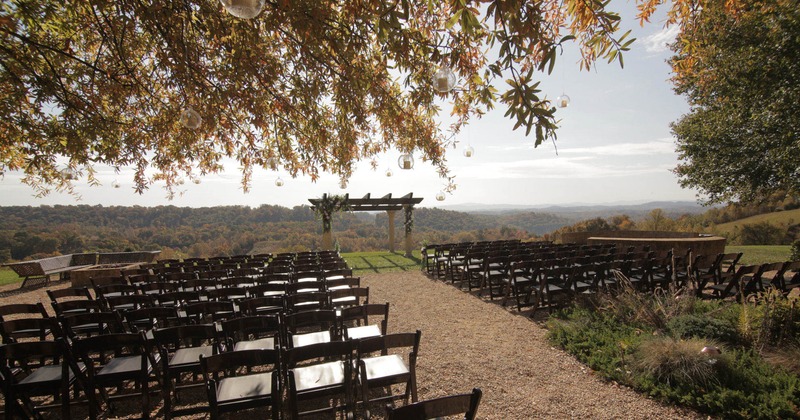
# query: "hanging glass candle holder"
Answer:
x=115 y=184
x=279 y=182
x=389 y=172
x=562 y=101
x=272 y=163
x=406 y=161
x=444 y=80
x=191 y=119
x=196 y=181
x=343 y=184
x=469 y=151
x=244 y=9
x=440 y=196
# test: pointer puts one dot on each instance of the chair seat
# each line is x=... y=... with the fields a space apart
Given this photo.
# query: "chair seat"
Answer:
x=363 y=332
x=385 y=366
x=244 y=387
x=48 y=374
x=260 y=344
x=122 y=366
x=190 y=356
x=301 y=340
x=319 y=376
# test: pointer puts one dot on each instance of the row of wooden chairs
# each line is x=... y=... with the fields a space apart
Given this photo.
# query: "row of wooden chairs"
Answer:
x=234 y=380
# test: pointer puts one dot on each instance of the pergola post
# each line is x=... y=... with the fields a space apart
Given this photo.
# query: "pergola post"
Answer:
x=391 y=213
x=409 y=226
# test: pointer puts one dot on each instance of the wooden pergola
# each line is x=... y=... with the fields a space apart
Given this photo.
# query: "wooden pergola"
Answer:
x=386 y=203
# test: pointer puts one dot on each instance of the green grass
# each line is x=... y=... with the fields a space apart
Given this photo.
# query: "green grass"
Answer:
x=761 y=254
x=381 y=262
x=778 y=218
x=8 y=276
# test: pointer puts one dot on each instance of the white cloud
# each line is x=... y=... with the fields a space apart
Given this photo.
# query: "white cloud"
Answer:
x=584 y=167
x=659 y=41
x=660 y=146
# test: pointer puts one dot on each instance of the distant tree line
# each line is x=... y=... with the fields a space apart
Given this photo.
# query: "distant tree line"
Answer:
x=35 y=232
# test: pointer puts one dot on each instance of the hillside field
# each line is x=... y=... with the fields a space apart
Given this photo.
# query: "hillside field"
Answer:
x=778 y=218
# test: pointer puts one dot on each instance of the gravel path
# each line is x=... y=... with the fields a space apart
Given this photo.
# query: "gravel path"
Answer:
x=471 y=342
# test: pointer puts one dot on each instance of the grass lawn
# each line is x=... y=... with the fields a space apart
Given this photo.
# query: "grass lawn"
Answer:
x=381 y=262
x=8 y=276
x=760 y=254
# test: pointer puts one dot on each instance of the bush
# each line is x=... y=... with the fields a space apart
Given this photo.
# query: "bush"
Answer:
x=694 y=326
x=763 y=233
x=770 y=319
x=679 y=362
x=736 y=384
x=795 y=251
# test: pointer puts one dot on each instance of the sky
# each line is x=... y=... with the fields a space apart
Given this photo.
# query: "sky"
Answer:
x=614 y=146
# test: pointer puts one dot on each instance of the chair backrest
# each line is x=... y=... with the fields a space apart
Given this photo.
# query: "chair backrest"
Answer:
x=177 y=298
x=343 y=282
x=466 y=404
x=23 y=309
x=262 y=305
x=171 y=338
x=298 y=302
x=153 y=317
x=386 y=342
x=362 y=313
x=209 y=311
x=314 y=320
x=34 y=328
x=252 y=327
x=91 y=323
x=223 y=364
x=320 y=351
x=57 y=295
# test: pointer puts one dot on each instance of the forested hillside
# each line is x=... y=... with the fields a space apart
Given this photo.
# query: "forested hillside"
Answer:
x=32 y=232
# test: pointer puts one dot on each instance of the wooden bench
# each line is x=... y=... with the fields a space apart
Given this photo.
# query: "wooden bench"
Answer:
x=62 y=265
x=45 y=267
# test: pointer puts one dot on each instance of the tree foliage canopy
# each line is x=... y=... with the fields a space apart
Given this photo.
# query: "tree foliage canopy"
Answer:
x=738 y=63
x=309 y=85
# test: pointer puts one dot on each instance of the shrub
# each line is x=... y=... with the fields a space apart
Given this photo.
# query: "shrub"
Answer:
x=694 y=326
x=769 y=319
x=795 y=251
x=763 y=233
x=679 y=362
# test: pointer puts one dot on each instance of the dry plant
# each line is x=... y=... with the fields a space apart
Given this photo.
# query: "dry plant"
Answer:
x=676 y=362
x=652 y=309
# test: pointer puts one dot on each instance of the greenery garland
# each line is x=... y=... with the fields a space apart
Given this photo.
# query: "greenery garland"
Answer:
x=328 y=205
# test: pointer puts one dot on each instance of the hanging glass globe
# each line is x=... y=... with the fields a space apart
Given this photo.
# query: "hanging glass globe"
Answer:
x=196 y=181
x=440 y=196
x=191 y=118
x=469 y=151
x=343 y=184
x=444 y=80
x=245 y=9
x=69 y=174
x=272 y=163
x=115 y=184
x=406 y=161
x=562 y=101
x=389 y=172
x=279 y=182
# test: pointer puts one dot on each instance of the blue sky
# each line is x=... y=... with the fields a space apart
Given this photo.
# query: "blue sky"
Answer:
x=614 y=145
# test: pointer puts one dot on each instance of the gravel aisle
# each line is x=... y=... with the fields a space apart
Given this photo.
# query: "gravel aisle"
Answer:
x=468 y=342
